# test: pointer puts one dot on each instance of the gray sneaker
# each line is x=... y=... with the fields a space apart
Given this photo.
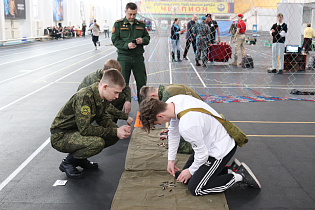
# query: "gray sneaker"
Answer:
x=248 y=176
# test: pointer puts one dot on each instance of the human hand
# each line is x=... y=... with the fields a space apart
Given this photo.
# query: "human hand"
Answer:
x=123 y=131
x=234 y=40
x=273 y=30
x=219 y=40
x=171 y=168
x=129 y=120
x=127 y=107
x=163 y=134
x=132 y=45
x=184 y=176
x=139 y=40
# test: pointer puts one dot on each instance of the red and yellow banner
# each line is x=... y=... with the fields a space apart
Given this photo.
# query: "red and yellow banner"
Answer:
x=185 y=7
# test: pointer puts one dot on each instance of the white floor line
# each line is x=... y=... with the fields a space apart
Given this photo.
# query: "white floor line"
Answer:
x=6 y=106
x=154 y=50
x=24 y=164
x=204 y=85
x=51 y=64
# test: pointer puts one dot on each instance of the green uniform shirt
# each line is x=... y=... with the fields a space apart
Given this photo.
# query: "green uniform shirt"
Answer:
x=165 y=92
x=115 y=106
x=81 y=110
x=123 y=33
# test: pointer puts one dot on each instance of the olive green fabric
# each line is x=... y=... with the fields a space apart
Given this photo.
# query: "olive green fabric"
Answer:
x=145 y=170
x=144 y=153
x=165 y=92
x=140 y=190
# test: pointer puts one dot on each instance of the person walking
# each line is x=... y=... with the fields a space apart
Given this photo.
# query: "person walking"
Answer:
x=95 y=33
x=190 y=36
x=308 y=35
x=278 y=31
x=129 y=36
x=239 y=39
x=175 y=32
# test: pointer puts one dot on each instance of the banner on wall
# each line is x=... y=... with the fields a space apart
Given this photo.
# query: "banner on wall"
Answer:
x=185 y=7
x=14 y=9
x=58 y=10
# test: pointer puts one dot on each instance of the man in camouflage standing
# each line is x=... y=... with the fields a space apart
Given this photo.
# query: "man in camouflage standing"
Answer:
x=72 y=132
x=129 y=35
x=202 y=31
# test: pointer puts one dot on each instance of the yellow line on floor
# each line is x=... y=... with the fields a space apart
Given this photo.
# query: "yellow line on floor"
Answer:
x=270 y=122
x=284 y=136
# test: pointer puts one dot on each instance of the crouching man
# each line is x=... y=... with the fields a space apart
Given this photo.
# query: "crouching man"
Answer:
x=72 y=131
x=205 y=170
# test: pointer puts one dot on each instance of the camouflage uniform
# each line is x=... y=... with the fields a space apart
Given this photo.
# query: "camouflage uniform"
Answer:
x=115 y=107
x=71 y=130
x=165 y=92
x=202 y=31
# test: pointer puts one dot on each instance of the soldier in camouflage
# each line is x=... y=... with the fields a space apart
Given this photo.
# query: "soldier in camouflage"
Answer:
x=120 y=107
x=72 y=132
x=202 y=31
x=163 y=93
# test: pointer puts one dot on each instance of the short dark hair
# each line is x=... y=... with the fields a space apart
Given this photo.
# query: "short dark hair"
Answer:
x=112 y=64
x=131 y=6
x=148 y=109
x=208 y=15
x=113 y=77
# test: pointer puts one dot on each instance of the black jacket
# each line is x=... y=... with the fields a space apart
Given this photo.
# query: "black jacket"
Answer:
x=276 y=37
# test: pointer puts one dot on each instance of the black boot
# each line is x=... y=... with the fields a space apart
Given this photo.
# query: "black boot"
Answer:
x=197 y=63
x=68 y=166
x=173 y=57
x=86 y=164
x=178 y=56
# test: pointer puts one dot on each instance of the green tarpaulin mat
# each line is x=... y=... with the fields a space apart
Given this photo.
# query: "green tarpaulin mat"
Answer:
x=141 y=184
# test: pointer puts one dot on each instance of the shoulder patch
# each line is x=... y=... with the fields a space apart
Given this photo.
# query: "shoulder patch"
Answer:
x=119 y=20
x=85 y=110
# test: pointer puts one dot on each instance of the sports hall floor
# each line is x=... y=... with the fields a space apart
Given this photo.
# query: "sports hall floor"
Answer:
x=36 y=80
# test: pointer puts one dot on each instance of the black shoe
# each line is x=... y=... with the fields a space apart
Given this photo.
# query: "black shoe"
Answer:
x=184 y=58
x=197 y=63
x=235 y=165
x=86 y=164
x=280 y=72
x=173 y=57
x=179 y=60
x=70 y=169
x=272 y=71
x=248 y=176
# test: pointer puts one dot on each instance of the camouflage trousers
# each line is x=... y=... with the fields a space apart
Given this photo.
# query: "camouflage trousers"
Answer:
x=80 y=146
x=239 y=43
x=184 y=147
x=202 y=49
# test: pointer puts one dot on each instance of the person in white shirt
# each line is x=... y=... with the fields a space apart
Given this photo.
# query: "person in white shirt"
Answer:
x=213 y=147
x=106 y=29
x=95 y=33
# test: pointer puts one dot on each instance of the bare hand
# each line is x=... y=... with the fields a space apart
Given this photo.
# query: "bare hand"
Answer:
x=139 y=40
x=123 y=131
x=129 y=120
x=219 y=40
x=171 y=168
x=273 y=30
x=127 y=107
x=184 y=176
x=234 y=40
x=132 y=45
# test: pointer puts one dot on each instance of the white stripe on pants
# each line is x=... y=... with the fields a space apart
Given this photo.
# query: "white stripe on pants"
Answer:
x=277 y=49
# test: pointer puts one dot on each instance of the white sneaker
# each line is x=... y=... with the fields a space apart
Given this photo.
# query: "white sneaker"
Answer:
x=95 y=47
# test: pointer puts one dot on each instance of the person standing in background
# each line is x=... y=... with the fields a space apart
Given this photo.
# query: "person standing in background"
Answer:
x=308 y=35
x=106 y=29
x=278 y=32
x=213 y=26
x=239 y=39
x=95 y=33
x=232 y=30
x=190 y=37
x=175 y=32
x=83 y=28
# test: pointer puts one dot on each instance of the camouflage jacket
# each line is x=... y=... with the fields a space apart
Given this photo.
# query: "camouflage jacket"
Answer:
x=165 y=92
x=81 y=110
x=116 y=106
x=202 y=30
x=123 y=33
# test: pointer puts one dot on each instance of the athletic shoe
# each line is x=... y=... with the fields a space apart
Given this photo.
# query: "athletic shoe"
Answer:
x=248 y=176
x=235 y=165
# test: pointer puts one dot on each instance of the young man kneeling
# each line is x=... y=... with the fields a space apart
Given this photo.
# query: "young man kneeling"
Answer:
x=205 y=170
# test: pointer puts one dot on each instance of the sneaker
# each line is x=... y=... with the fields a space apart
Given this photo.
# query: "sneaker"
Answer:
x=70 y=169
x=280 y=72
x=184 y=58
x=95 y=47
x=235 y=165
x=248 y=176
x=272 y=71
x=197 y=63
x=86 y=164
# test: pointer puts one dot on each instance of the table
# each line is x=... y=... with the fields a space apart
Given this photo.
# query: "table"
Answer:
x=294 y=61
x=219 y=52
